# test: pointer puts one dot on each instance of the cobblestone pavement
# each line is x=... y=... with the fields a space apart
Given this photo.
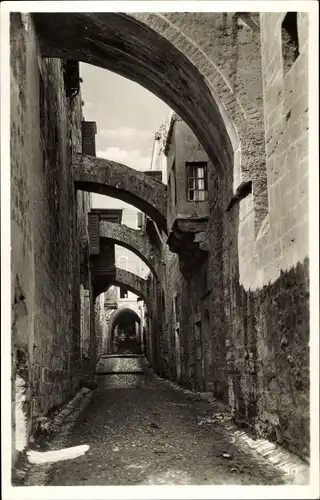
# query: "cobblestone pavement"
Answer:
x=141 y=432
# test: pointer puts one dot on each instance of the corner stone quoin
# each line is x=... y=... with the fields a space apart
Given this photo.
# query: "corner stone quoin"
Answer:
x=102 y=176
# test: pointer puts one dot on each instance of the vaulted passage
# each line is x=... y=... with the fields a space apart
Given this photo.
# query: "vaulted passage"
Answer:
x=124 y=332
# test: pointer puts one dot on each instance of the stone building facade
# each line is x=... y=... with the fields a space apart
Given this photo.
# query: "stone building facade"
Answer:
x=227 y=306
x=234 y=310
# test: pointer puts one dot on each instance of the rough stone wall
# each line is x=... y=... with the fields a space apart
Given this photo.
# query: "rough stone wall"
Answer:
x=111 y=297
x=244 y=311
x=267 y=303
x=45 y=255
x=153 y=324
x=22 y=253
x=285 y=302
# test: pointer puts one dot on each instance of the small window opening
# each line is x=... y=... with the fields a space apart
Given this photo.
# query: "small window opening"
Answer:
x=290 y=40
x=197 y=184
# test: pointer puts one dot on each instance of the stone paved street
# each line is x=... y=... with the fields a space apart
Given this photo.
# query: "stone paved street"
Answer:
x=142 y=432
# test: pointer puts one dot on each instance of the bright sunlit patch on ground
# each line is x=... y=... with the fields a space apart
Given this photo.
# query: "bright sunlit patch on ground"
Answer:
x=42 y=457
x=170 y=476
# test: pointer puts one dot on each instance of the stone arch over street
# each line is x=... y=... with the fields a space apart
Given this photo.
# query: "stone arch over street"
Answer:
x=126 y=320
x=127 y=45
x=120 y=277
x=98 y=175
x=134 y=240
x=199 y=82
x=119 y=313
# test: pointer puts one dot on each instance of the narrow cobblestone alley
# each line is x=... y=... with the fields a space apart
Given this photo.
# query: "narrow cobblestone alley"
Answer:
x=142 y=432
x=158 y=267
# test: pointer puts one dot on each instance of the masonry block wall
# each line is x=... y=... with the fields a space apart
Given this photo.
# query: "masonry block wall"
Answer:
x=267 y=304
x=243 y=313
x=46 y=218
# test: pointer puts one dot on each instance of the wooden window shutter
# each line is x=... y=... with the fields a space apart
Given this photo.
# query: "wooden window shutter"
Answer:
x=89 y=130
x=94 y=237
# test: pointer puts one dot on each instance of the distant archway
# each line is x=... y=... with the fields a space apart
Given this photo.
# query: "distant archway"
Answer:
x=120 y=277
x=134 y=240
x=124 y=328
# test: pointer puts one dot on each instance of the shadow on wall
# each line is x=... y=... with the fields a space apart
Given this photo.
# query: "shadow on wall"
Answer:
x=258 y=340
x=268 y=360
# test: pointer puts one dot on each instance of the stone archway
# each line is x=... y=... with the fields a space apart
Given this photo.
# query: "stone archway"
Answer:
x=209 y=85
x=98 y=175
x=120 y=277
x=134 y=240
x=151 y=50
x=123 y=335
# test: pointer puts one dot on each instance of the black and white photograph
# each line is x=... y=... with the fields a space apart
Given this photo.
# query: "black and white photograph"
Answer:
x=160 y=325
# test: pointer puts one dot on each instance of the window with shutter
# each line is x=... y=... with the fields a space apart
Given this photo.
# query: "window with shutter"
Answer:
x=89 y=130
x=94 y=237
